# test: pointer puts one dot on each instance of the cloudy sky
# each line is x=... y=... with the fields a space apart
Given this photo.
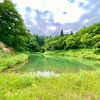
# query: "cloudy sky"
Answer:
x=48 y=17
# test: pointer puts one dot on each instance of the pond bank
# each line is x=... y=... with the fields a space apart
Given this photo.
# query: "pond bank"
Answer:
x=79 y=53
x=10 y=61
x=58 y=64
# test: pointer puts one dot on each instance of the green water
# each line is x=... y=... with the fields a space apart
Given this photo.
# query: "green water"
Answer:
x=57 y=64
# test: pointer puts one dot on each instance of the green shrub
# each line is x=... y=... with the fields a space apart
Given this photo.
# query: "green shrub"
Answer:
x=97 y=51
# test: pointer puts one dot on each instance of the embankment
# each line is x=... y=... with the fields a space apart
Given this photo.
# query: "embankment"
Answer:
x=10 y=61
x=8 y=57
x=80 y=53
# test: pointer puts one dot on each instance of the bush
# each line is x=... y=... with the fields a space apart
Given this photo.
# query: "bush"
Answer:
x=97 y=51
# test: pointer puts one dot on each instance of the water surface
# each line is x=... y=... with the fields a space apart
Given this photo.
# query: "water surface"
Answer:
x=57 y=64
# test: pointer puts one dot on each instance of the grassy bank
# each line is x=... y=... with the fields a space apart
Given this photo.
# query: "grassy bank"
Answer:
x=8 y=57
x=80 y=53
x=8 y=61
x=71 y=86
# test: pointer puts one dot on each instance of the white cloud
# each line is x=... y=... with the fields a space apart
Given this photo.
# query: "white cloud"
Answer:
x=34 y=22
x=47 y=16
x=85 y=21
x=55 y=6
x=1 y=1
x=52 y=28
x=33 y=14
x=73 y=12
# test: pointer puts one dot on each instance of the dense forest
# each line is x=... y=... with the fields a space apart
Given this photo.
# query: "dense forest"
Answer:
x=14 y=33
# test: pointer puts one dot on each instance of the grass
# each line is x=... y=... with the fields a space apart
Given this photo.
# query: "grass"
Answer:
x=10 y=58
x=10 y=61
x=71 y=86
x=80 y=53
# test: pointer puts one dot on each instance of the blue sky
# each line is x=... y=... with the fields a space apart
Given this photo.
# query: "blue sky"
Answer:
x=48 y=17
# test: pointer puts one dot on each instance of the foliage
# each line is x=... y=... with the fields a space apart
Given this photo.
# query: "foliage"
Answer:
x=55 y=43
x=71 y=33
x=97 y=51
x=87 y=37
x=92 y=54
x=40 y=39
x=61 y=33
x=12 y=29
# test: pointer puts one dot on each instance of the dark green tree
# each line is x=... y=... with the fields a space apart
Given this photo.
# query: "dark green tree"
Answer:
x=61 y=33
x=71 y=33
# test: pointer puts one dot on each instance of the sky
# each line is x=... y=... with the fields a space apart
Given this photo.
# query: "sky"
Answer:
x=48 y=17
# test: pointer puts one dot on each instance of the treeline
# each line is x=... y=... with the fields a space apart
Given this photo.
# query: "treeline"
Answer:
x=87 y=37
x=14 y=33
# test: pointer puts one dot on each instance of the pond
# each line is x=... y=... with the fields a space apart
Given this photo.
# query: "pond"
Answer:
x=57 y=64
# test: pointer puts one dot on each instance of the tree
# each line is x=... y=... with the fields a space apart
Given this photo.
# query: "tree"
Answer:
x=40 y=40
x=71 y=33
x=50 y=36
x=12 y=28
x=96 y=41
x=61 y=33
x=70 y=43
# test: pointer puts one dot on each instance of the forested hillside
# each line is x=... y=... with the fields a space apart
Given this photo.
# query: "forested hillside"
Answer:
x=14 y=33
x=87 y=37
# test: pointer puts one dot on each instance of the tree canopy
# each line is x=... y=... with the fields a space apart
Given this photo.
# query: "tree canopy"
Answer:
x=12 y=28
x=87 y=37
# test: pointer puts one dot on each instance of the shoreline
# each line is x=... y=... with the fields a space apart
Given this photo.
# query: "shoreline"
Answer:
x=11 y=61
x=78 y=53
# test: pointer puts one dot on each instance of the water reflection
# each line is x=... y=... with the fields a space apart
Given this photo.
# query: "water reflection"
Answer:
x=46 y=64
x=45 y=74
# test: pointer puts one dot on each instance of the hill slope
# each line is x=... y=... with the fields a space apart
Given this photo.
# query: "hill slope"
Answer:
x=5 y=48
